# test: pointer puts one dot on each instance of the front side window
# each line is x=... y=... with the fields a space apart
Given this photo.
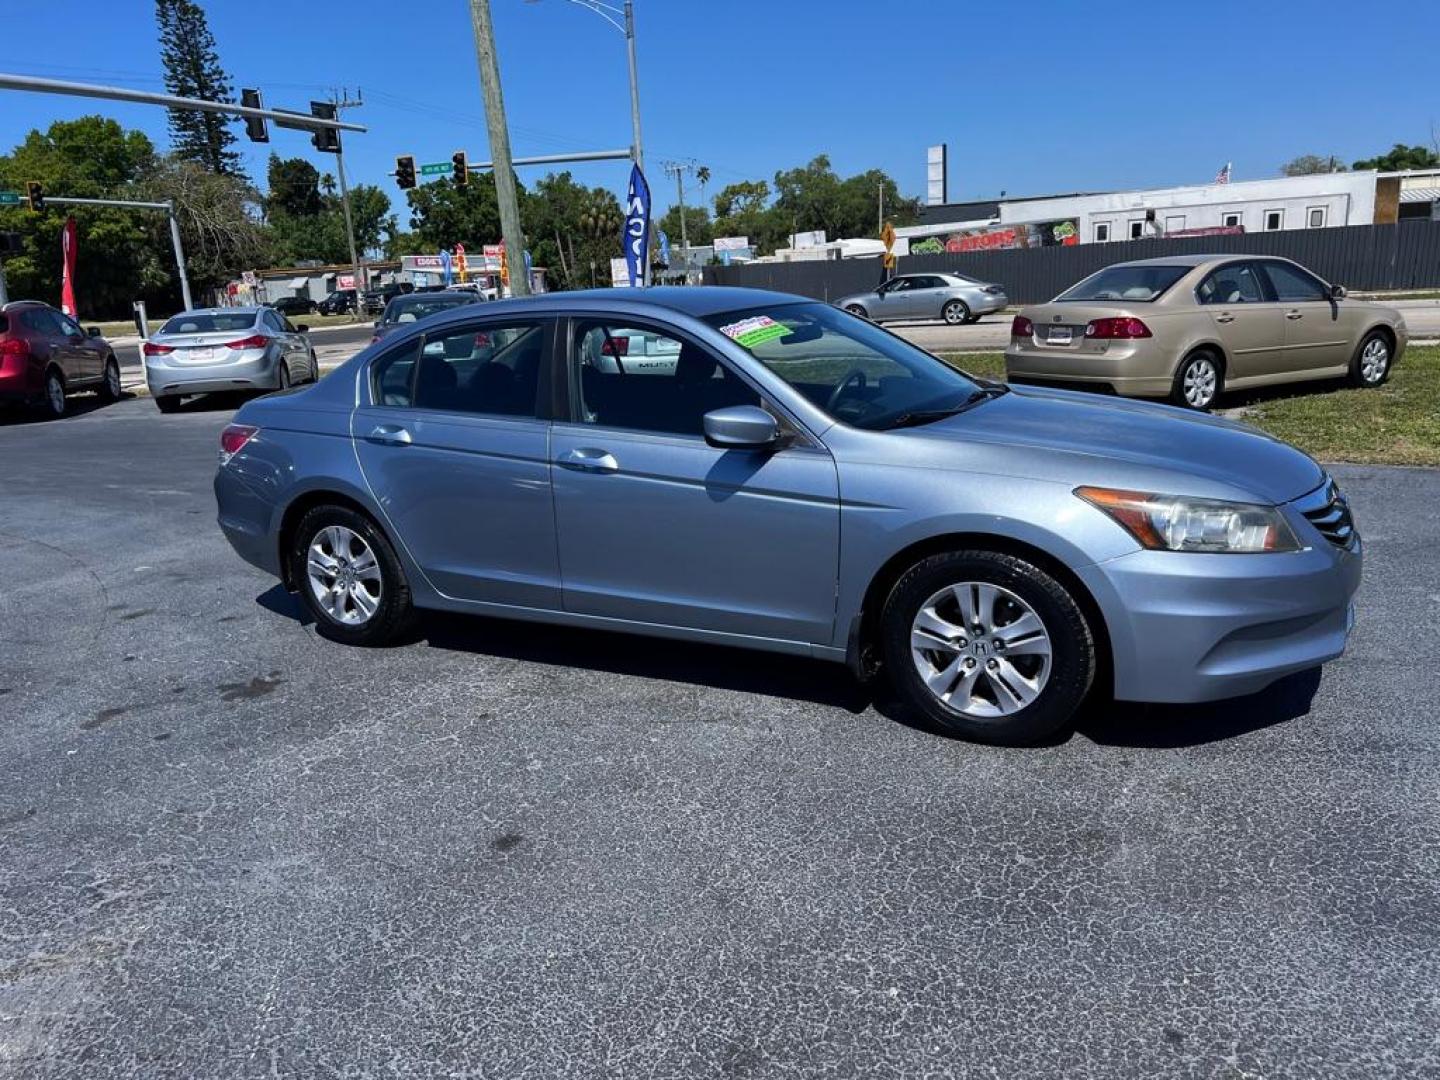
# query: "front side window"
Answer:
x=1293 y=285
x=847 y=367
x=492 y=370
x=68 y=325
x=1138 y=283
x=645 y=380
x=900 y=284
x=1236 y=284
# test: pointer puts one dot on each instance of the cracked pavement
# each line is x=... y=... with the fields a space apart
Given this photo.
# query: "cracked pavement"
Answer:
x=231 y=848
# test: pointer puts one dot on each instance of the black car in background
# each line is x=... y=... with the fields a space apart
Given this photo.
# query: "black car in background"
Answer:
x=378 y=297
x=412 y=307
x=337 y=303
x=295 y=305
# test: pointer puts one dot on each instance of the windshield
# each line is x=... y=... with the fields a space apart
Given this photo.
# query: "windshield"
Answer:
x=1138 y=284
x=197 y=322
x=409 y=310
x=846 y=366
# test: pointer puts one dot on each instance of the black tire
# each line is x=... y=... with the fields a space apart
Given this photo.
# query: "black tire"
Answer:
x=167 y=403
x=314 y=367
x=1360 y=363
x=283 y=378
x=857 y=311
x=52 y=397
x=955 y=312
x=1190 y=388
x=972 y=320
x=1072 y=644
x=110 y=382
x=395 y=614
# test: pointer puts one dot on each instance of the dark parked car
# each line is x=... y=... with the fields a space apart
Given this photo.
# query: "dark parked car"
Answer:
x=295 y=305
x=44 y=355
x=377 y=298
x=412 y=307
x=337 y=303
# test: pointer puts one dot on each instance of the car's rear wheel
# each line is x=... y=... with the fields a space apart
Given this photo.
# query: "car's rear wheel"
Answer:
x=955 y=312
x=987 y=646
x=1371 y=365
x=1198 y=382
x=52 y=400
x=349 y=577
x=110 y=384
x=167 y=403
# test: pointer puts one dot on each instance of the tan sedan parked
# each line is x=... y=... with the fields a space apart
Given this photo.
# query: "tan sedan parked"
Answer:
x=1187 y=327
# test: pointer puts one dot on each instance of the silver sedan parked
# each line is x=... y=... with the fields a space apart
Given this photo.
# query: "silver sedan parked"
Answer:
x=952 y=298
x=243 y=348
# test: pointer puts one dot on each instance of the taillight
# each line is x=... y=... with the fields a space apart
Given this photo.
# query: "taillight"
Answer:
x=14 y=349
x=615 y=346
x=1125 y=327
x=151 y=349
x=234 y=438
x=1021 y=327
x=254 y=341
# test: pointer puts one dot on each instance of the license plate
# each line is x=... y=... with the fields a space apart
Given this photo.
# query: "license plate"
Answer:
x=1060 y=335
x=199 y=355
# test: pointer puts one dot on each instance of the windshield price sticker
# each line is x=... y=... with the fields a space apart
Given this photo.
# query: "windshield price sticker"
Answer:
x=753 y=331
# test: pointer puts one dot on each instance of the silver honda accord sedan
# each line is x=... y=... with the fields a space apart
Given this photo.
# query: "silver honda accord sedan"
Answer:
x=801 y=481
x=239 y=348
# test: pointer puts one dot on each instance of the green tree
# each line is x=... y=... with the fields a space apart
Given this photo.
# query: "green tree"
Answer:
x=1401 y=157
x=698 y=228
x=192 y=69
x=741 y=210
x=294 y=187
x=1311 y=164
x=91 y=157
x=442 y=214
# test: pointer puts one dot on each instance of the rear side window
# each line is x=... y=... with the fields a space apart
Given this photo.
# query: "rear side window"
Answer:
x=1237 y=284
x=1129 y=284
x=39 y=321
x=491 y=370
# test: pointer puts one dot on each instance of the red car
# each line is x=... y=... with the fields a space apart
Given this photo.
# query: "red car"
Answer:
x=44 y=355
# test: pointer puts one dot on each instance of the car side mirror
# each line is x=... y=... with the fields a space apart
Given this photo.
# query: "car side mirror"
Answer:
x=92 y=331
x=1337 y=292
x=741 y=427
x=302 y=328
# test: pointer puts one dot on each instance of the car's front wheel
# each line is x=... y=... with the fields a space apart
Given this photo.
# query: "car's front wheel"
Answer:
x=955 y=312
x=987 y=646
x=349 y=577
x=857 y=311
x=110 y=384
x=1371 y=365
x=1198 y=382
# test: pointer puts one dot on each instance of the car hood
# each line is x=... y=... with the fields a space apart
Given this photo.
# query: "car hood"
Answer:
x=1137 y=433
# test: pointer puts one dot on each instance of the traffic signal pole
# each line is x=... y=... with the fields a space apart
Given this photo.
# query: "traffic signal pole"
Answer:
x=167 y=206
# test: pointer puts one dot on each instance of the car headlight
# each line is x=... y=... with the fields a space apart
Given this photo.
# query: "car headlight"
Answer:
x=1179 y=523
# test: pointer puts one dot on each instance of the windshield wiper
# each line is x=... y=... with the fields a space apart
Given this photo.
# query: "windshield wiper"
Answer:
x=929 y=416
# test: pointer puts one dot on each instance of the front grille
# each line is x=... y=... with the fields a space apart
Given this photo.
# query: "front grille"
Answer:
x=1327 y=510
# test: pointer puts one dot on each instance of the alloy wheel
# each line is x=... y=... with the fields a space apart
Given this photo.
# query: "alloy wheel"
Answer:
x=956 y=313
x=1201 y=381
x=55 y=395
x=112 y=380
x=980 y=649
x=344 y=575
x=1374 y=360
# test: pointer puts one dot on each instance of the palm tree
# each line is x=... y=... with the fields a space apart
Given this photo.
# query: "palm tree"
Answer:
x=702 y=174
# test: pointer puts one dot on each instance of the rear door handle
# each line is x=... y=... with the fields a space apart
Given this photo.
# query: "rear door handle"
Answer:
x=589 y=459
x=391 y=435
x=1294 y=314
x=1224 y=316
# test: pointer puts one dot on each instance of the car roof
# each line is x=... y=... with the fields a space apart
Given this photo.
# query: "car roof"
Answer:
x=1197 y=260
x=253 y=311
x=20 y=304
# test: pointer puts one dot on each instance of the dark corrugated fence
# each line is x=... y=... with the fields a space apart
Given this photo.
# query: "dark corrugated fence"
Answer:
x=1403 y=256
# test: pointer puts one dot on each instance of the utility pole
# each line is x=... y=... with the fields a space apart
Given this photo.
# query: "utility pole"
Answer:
x=678 y=170
x=880 y=221
x=345 y=103
x=505 y=193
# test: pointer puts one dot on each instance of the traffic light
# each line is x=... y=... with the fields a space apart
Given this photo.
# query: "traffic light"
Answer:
x=326 y=140
x=36 y=192
x=255 y=126
x=405 y=172
x=460 y=168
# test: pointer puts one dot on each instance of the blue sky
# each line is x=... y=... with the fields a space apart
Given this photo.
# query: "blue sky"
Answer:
x=1031 y=97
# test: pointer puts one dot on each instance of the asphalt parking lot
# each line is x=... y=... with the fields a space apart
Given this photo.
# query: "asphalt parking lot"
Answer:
x=231 y=848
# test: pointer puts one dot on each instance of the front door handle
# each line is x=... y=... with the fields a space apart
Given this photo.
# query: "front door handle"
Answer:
x=589 y=459
x=1224 y=316
x=391 y=435
x=1294 y=314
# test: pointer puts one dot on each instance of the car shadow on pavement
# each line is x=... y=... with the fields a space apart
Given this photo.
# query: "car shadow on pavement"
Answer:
x=1125 y=723
x=19 y=415
x=716 y=666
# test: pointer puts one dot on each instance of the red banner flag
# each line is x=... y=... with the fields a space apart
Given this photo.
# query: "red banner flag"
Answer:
x=67 y=283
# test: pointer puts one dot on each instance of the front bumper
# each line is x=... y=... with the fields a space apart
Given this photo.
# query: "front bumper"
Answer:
x=1189 y=627
x=257 y=372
